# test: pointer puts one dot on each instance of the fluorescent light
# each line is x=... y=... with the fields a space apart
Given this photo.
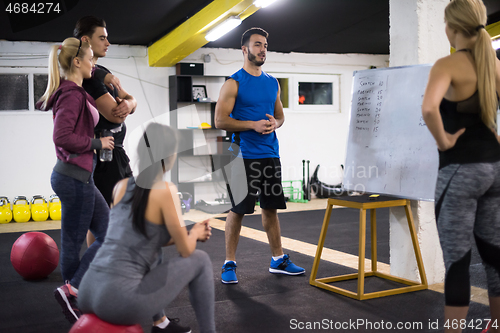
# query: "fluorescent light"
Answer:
x=223 y=28
x=496 y=44
x=263 y=3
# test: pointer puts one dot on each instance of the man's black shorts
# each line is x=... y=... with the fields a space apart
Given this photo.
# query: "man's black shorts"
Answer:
x=257 y=179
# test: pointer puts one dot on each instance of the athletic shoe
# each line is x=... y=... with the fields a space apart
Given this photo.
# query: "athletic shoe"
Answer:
x=229 y=273
x=285 y=266
x=66 y=298
x=172 y=327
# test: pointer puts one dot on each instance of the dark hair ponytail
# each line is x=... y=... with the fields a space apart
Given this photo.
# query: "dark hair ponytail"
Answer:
x=157 y=146
x=139 y=203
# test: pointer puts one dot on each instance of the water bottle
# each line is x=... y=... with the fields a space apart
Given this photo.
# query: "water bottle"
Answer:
x=106 y=155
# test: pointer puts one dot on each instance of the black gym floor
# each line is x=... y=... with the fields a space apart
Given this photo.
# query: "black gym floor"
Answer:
x=261 y=302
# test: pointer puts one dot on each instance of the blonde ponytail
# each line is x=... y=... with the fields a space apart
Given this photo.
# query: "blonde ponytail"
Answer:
x=70 y=48
x=469 y=17
x=484 y=57
x=54 y=76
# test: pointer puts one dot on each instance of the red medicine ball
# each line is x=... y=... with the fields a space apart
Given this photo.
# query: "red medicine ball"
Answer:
x=90 y=323
x=34 y=255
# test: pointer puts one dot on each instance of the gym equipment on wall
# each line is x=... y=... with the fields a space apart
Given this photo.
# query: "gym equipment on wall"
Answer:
x=21 y=209
x=322 y=190
x=39 y=208
x=5 y=211
x=306 y=186
x=54 y=207
x=187 y=199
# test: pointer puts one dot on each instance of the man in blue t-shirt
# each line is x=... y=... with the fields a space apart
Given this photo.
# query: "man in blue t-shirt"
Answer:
x=250 y=107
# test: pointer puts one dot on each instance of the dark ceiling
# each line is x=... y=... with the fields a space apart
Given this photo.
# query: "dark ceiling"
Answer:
x=310 y=26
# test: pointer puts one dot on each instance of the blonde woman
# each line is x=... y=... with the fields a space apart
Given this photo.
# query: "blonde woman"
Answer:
x=459 y=108
x=83 y=206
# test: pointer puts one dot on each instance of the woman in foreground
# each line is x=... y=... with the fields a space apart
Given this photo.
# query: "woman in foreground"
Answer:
x=128 y=283
x=459 y=108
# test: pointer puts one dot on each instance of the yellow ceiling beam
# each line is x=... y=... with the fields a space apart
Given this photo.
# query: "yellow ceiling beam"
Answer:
x=494 y=30
x=190 y=35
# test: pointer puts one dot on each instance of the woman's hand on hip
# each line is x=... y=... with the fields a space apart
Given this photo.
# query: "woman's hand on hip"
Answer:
x=450 y=140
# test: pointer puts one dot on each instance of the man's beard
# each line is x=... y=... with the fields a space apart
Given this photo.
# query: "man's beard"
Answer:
x=253 y=59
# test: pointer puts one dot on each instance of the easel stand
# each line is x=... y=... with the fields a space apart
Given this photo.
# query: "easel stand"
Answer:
x=363 y=203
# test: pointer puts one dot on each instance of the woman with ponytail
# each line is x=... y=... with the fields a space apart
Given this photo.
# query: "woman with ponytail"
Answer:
x=459 y=107
x=128 y=282
x=82 y=205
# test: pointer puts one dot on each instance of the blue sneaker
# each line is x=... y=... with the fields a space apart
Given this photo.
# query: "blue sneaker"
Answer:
x=229 y=273
x=285 y=266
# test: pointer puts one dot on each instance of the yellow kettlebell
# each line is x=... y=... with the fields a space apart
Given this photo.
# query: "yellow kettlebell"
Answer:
x=54 y=207
x=21 y=209
x=39 y=208
x=5 y=211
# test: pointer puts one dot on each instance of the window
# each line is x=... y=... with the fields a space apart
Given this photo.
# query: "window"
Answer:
x=20 y=89
x=319 y=92
x=14 y=92
x=40 y=85
x=315 y=93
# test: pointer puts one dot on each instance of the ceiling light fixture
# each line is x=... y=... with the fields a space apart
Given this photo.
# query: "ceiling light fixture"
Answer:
x=496 y=44
x=263 y=3
x=223 y=28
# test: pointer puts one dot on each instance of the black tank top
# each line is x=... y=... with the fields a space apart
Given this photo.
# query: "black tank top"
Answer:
x=478 y=144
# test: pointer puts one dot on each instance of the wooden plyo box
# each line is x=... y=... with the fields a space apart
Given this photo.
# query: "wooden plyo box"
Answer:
x=363 y=203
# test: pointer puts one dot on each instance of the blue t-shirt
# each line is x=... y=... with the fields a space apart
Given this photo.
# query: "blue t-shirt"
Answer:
x=256 y=98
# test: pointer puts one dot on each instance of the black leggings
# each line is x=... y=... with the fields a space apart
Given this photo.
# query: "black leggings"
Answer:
x=468 y=204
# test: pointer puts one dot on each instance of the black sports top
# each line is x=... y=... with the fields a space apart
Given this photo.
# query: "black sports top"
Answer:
x=478 y=143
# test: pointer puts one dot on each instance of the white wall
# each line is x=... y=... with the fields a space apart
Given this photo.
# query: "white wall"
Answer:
x=417 y=37
x=28 y=154
x=319 y=136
